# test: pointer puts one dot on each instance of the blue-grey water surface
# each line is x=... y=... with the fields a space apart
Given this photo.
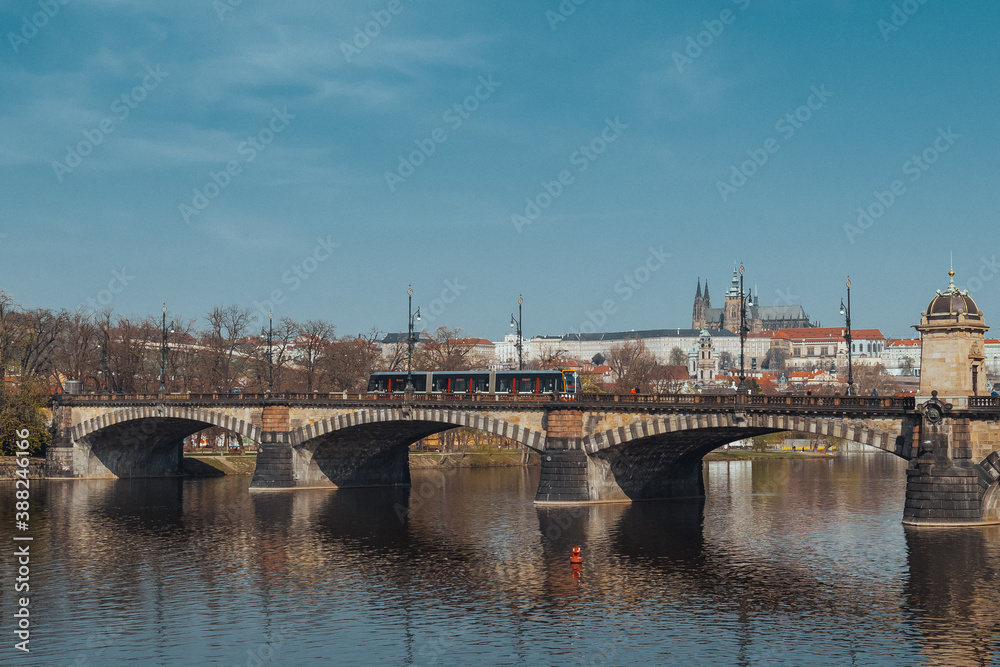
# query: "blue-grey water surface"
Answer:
x=787 y=562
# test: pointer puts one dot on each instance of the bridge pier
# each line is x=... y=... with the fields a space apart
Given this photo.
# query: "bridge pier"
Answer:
x=571 y=476
x=953 y=480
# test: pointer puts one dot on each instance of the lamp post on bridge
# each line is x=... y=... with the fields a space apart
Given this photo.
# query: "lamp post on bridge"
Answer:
x=517 y=322
x=164 y=348
x=847 y=312
x=104 y=360
x=745 y=300
x=409 y=338
x=270 y=354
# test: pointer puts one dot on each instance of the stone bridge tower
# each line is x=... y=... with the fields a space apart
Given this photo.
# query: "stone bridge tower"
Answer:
x=953 y=478
x=952 y=360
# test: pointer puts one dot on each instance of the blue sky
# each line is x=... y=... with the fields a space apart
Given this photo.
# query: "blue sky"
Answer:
x=629 y=125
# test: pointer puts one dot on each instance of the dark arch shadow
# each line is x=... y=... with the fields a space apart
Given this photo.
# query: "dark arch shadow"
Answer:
x=668 y=465
x=149 y=447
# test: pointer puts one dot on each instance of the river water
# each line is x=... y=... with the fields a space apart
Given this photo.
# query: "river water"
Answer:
x=787 y=562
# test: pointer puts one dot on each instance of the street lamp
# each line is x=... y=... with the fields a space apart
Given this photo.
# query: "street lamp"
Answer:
x=410 y=339
x=847 y=312
x=270 y=357
x=517 y=324
x=745 y=300
x=163 y=350
x=104 y=360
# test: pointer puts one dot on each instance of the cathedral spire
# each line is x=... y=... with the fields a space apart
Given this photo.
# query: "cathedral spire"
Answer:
x=697 y=295
x=734 y=289
x=708 y=299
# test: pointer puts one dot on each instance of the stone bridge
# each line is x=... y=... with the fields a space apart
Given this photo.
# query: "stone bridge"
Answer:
x=594 y=448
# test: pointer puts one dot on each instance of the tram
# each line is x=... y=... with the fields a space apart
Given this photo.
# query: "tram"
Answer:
x=478 y=382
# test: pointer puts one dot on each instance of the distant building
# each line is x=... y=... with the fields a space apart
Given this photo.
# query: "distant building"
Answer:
x=825 y=348
x=659 y=342
x=902 y=357
x=505 y=352
x=759 y=318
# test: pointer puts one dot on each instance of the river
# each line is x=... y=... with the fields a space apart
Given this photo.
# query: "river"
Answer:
x=786 y=562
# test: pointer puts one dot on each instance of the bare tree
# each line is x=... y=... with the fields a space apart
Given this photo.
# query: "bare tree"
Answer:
x=350 y=362
x=311 y=349
x=678 y=357
x=394 y=356
x=550 y=359
x=78 y=350
x=226 y=352
x=447 y=350
x=668 y=379
x=774 y=360
x=871 y=378
x=632 y=366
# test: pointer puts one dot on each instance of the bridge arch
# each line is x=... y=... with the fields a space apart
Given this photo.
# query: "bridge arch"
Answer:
x=447 y=418
x=726 y=425
x=139 y=413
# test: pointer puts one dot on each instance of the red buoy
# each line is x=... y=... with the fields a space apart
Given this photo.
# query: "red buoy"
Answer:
x=576 y=558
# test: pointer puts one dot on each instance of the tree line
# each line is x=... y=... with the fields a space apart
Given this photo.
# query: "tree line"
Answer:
x=225 y=351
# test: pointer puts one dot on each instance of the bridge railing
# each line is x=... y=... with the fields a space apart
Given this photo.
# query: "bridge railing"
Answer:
x=904 y=402
x=984 y=401
x=695 y=401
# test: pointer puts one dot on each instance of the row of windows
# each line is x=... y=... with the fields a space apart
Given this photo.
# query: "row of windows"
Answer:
x=543 y=382
x=873 y=348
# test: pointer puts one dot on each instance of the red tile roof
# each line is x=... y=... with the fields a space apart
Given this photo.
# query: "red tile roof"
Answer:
x=829 y=332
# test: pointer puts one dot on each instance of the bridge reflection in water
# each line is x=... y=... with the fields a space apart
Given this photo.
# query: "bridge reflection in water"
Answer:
x=783 y=563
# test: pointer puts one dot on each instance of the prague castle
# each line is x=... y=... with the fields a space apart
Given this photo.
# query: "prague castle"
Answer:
x=759 y=318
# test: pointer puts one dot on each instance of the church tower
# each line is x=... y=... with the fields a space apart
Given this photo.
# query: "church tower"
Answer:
x=698 y=314
x=731 y=314
x=706 y=359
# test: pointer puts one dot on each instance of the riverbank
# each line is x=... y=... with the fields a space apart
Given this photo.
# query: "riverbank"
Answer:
x=493 y=458
x=216 y=466
x=747 y=455
x=9 y=467
x=244 y=464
